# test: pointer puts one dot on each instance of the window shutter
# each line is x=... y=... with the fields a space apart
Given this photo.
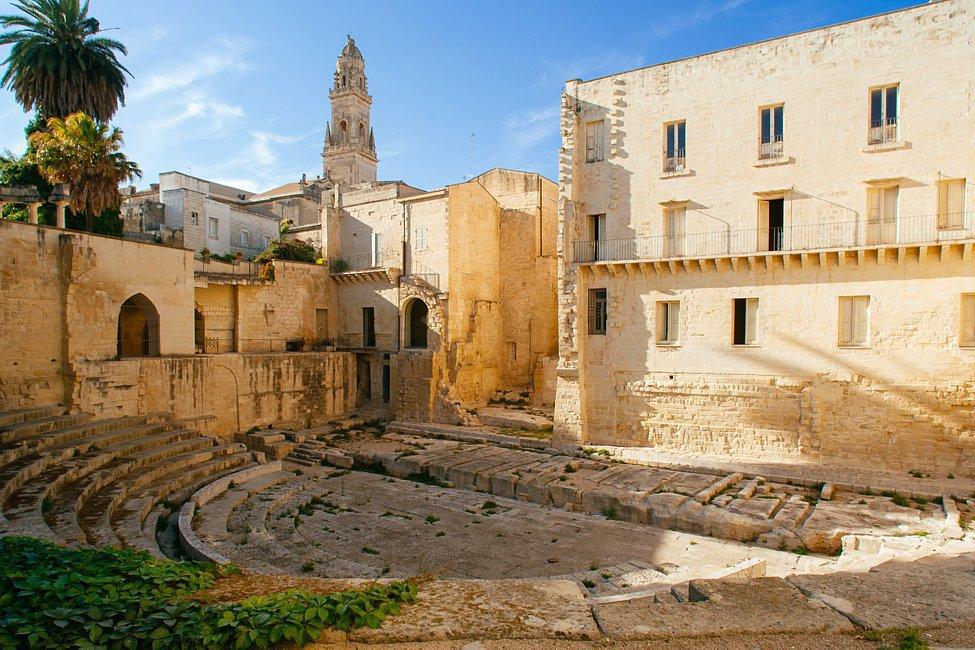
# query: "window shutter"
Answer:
x=846 y=321
x=956 y=203
x=890 y=204
x=860 y=320
x=968 y=319
x=944 y=189
x=751 y=320
x=673 y=321
x=600 y=141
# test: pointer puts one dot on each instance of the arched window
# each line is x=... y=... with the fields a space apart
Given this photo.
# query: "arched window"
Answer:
x=416 y=324
x=138 y=328
x=199 y=331
x=345 y=130
x=343 y=81
x=362 y=131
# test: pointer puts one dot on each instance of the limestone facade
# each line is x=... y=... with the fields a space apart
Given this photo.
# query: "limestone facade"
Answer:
x=766 y=252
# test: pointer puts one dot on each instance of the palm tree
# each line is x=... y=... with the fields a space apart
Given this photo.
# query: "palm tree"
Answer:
x=58 y=64
x=86 y=155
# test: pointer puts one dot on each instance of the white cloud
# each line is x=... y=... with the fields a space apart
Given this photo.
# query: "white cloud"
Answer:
x=527 y=118
x=197 y=105
x=225 y=57
x=705 y=12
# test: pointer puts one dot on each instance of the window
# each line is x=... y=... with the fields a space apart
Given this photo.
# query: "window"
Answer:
x=854 y=320
x=882 y=215
x=967 y=335
x=266 y=240
x=674 y=146
x=375 y=249
x=213 y=223
x=951 y=203
x=770 y=143
x=368 y=327
x=668 y=322
x=598 y=311
x=745 y=321
x=595 y=141
x=883 y=114
x=245 y=238
x=674 y=220
x=195 y=218
x=420 y=238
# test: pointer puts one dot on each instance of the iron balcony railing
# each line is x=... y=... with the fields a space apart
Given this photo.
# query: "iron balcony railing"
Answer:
x=882 y=131
x=219 y=270
x=771 y=148
x=421 y=273
x=923 y=229
x=674 y=160
x=359 y=262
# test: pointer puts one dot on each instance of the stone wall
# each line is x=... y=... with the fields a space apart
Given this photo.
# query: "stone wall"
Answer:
x=222 y=394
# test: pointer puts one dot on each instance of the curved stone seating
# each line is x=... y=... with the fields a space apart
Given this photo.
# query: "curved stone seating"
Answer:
x=73 y=479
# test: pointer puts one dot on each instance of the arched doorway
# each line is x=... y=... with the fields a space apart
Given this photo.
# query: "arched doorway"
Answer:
x=416 y=324
x=138 y=328
x=199 y=331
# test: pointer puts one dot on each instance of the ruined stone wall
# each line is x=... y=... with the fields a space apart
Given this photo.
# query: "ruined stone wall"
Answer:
x=32 y=315
x=527 y=268
x=473 y=337
x=222 y=394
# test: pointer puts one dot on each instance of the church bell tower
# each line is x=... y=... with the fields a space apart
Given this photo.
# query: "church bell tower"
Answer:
x=350 y=148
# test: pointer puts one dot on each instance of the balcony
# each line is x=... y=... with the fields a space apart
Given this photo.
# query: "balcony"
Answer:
x=367 y=267
x=882 y=131
x=674 y=160
x=211 y=271
x=771 y=148
x=924 y=229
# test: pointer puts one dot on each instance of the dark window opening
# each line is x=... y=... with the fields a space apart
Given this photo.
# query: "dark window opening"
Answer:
x=368 y=327
x=138 y=328
x=416 y=322
x=199 y=331
x=776 y=223
x=598 y=312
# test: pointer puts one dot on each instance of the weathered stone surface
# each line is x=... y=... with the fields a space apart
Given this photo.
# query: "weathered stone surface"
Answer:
x=931 y=591
x=721 y=607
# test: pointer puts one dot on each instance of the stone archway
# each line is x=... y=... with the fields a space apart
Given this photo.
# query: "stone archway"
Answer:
x=138 y=328
x=417 y=324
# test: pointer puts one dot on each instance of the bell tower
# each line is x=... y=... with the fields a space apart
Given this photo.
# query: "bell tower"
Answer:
x=350 y=148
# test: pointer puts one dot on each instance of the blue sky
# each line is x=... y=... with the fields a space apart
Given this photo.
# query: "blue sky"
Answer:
x=237 y=91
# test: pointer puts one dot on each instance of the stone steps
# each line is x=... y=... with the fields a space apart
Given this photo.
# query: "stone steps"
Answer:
x=114 y=442
x=128 y=520
x=13 y=433
x=216 y=516
x=17 y=416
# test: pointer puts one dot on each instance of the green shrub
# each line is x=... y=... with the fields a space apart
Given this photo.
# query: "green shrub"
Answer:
x=55 y=597
x=293 y=250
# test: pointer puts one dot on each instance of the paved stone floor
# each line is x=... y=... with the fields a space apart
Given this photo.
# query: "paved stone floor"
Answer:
x=367 y=525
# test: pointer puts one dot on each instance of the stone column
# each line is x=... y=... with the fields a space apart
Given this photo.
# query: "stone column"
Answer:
x=32 y=211
x=61 y=205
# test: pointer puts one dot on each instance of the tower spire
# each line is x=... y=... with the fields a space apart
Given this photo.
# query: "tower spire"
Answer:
x=350 y=148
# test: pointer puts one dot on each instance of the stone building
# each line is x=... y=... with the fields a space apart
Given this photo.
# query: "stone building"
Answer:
x=766 y=252
x=445 y=296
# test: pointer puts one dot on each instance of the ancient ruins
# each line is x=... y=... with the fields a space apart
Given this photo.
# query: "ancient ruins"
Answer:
x=718 y=381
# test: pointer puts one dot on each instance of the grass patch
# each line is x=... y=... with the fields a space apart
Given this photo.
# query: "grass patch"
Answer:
x=51 y=596
x=900 y=500
x=898 y=639
x=610 y=513
x=588 y=584
x=431 y=519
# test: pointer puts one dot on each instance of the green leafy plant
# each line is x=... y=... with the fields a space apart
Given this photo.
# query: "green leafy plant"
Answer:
x=293 y=250
x=55 y=597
